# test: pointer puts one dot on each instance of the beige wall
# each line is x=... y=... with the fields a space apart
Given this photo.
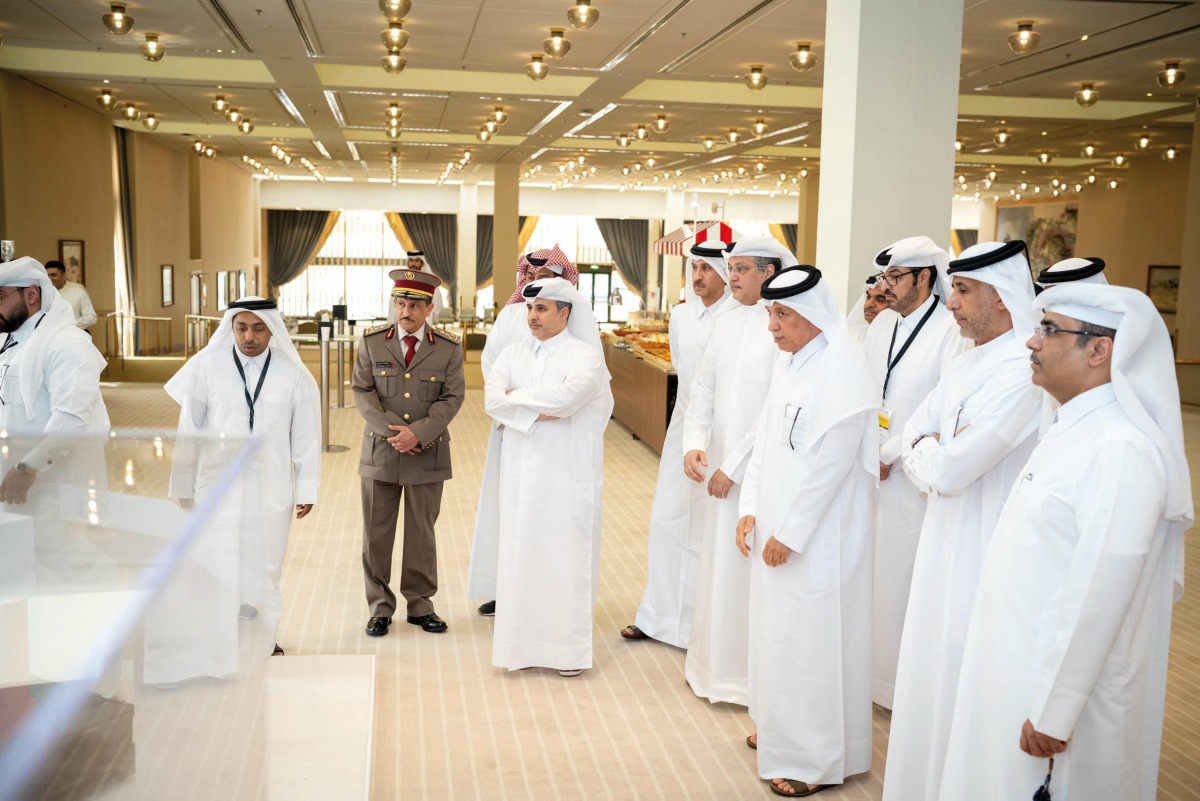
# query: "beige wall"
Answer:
x=59 y=182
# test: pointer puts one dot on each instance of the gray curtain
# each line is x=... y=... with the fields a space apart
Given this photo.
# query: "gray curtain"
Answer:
x=484 y=229
x=628 y=241
x=967 y=237
x=292 y=239
x=790 y=233
x=437 y=236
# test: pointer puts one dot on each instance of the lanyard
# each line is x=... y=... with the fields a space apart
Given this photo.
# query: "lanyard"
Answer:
x=245 y=387
x=11 y=342
x=891 y=363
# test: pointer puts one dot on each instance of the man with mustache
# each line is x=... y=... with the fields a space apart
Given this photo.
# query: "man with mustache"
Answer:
x=907 y=352
x=665 y=613
x=869 y=305
x=964 y=447
x=408 y=385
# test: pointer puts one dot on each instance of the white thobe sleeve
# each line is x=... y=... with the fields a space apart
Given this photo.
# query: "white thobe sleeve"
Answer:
x=496 y=400
x=737 y=457
x=72 y=378
x=582 y=384
x=86 y=314
x=193 y=419
x=1116 y=521
x=748 y=500
x=951 y=465
x=698 y=422
x=305 y=444
x=495 y=343
x=819 y=484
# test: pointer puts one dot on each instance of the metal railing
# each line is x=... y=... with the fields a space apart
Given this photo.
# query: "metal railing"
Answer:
x=197 y=330
x=135 y=335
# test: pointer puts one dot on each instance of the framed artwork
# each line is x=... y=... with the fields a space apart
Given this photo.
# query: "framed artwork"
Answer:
x=8 y=250
x=234 y=285
x=1047 y=227
x=70 y=253
x=222 y=291
x=241 y=283
x=197 y=293
x=1162 y=285
x=168 y=285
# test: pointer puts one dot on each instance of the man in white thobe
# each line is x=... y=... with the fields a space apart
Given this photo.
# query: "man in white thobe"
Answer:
x=551 y=395
x=908 y=350
x=1066 y=656
x=416 y=260
x=719 y=429
x=872 y=301
x=964 y=447
x=673 y=558
x=249 y=381
x=75 y=295
x=1068 y=271
x=510 y=326
x=807 y=511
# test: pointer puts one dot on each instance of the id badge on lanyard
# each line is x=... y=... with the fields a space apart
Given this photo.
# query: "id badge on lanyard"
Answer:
x=885 y=425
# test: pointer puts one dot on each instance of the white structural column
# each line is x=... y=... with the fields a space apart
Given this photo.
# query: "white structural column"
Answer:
x=1189 y=277
x=889 y=112
x=468 y=210
x=655 y=294
x=673 y=207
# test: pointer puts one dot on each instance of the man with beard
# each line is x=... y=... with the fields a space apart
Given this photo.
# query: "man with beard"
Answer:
x=49 y=381
x=873 y=301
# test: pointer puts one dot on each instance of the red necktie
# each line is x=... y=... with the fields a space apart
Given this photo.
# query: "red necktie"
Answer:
x=410 y=344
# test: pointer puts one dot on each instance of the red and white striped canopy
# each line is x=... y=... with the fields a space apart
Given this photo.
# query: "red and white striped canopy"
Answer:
x=680 y=241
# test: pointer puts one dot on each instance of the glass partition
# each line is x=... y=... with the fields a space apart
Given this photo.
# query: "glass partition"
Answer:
x=134 y=627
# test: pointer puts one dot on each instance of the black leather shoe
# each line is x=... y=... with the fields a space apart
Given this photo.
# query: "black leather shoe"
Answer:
x=378 y=626
x=430 y=622
x=488 y=609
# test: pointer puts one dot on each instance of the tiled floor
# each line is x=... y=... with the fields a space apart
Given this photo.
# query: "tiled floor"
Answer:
x=449 y=726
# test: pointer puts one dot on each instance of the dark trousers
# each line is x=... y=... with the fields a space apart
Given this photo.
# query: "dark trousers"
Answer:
x=418 y=571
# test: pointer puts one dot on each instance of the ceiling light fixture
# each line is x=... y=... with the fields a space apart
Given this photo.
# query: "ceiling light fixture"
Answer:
x=233 y=115
x=958 y=145
x=210 y=152
x=661 y=125
x=484 y=134
x=1086 y=96
x=582 y=16
x=499 y=115
x=637 y=166
x=491 y=125
x=733 y=136
x=1120 y=160
x=537 y=69
x=1171 y=76
x=1112 y=184
x=1089 y=151
x=650 y=162
x=393 y=111
x=395 y=9
x=1044 y=157
x=804 y=173
x=803 y=59
x=393 y=62
x=220 y=105
x=395 y=37
x=557 y=45
x=755 y=80
x=991 y=175
x=1001 y=138
x=245 y=126
x=642 y=132
x=709 y=144
x=1170 y=153
x=759 y=127
x=150 y=121
x=1091 y=179
x=130 y=112
x=623 y=140
x=106 y=99
x=1024 y=39
x=1142 y=142
x=117 y=21
x=152 y=49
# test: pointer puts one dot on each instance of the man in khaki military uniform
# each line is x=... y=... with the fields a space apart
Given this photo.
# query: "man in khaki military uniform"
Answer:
x=408 y=385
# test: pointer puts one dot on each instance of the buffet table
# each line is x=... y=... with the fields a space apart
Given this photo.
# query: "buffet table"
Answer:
x=643 y=393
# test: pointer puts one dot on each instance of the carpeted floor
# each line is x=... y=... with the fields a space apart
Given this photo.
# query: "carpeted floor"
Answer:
x=449 y=726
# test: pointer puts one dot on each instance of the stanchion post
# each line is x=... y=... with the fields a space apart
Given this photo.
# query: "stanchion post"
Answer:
x=325 y=335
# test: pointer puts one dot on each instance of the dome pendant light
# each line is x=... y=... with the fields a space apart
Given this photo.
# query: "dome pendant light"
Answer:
x=1141 y=143
x=755 y=80
x=499 y=115
x=395 y=10
x=642 y=132
x=117 y=21
x=556 y=46
x=582 y=16
x=1087 y=95
x=1171 y=76
x=220 y=105
x=150 y=121
x=245 y=126
x=106 y=99
x=709 y=144
x=1089 y=151
x=151 y=49
x=733 y=136
x=393 y=112
x=760 y=127
x=394 y=63
x=803 y=59
x=661 y=125
x=395 y=37
x=234 y=116
x=1001 y=137
x=623 y=140
x=130 y=112
x=1024 y=39
x=537 y=69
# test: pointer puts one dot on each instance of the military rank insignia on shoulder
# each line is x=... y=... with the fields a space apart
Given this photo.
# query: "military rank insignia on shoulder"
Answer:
x=446 y=335
x=377 y=329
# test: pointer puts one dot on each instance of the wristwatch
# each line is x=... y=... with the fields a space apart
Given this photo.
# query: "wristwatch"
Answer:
x=918 y=439
x=24 y=469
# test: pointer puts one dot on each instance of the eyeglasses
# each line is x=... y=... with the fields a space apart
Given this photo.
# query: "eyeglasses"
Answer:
x=894 y=278
x=6 y=295
x=1043 y=331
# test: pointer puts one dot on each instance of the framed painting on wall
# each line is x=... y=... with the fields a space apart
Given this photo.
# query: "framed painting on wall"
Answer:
x=222 y=291
x=1047 y=227
x=70 y=253
x=1162 y=285
x=168 y=285
x=241 y=283
x=197 y=293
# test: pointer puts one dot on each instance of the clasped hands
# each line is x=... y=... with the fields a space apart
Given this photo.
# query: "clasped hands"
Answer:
x=404 y=440
x=775 y=553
